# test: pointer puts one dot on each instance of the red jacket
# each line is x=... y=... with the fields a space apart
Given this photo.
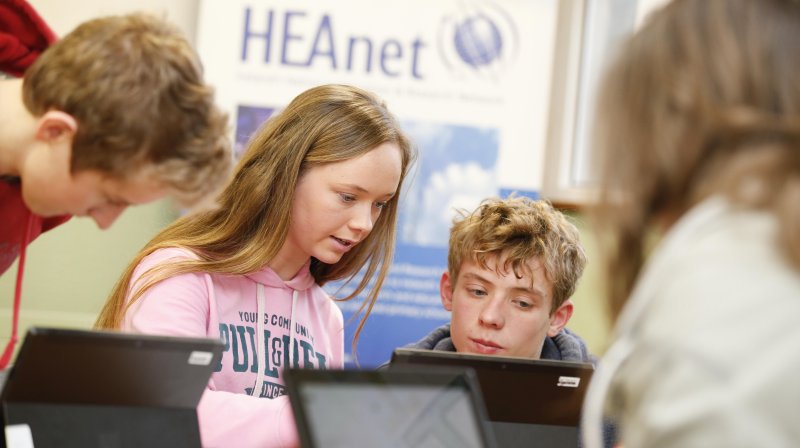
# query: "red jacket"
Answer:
x=23 y=36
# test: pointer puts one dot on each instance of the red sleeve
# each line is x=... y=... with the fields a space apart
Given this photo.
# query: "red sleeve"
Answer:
x=24 y=35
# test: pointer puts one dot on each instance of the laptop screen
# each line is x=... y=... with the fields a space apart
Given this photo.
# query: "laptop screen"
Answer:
x=530 y=402
x=425 y=407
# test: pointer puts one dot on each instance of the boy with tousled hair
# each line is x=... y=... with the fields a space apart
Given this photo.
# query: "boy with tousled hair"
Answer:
x=115 y=114
x=512 y=267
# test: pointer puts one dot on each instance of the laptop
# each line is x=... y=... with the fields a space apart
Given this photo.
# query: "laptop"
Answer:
x=398 y=408
x=530 y=403
x=79 y=388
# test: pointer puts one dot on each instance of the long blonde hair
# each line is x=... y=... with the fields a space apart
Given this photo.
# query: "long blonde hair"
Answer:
x=703 y=100
x=325 y=124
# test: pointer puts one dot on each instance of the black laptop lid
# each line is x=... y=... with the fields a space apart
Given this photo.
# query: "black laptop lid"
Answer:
x=110 y=368
x=396 y=408
x=517 y=390
x=86 y=389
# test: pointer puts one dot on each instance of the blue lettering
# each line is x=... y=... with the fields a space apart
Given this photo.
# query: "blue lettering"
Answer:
x=276 y=352
x=300 y=48
x=247 y=316
x=285 y=351
x=415 y=58
x=321 y=361
x=253 y=347
x=239 y=340
x=324 y=32
x=351 y=51
x=296 y=354
x=239 y=366
x=273 y=372
x=288 y=36
x=391 y=50
x=308 y=351
x=301 y=330
x=249 y=34
x=225 y=336
x=272 y=390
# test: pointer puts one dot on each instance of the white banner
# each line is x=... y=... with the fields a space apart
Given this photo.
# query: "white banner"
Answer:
x=469 y=81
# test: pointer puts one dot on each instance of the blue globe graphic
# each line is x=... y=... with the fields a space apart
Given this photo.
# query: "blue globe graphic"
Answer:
x=478 y=41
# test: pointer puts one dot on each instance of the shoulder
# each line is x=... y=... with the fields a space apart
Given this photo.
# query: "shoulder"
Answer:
x=159 y=258
x=325 y=303
x=167 y=254
x=566 y=346
x=721 y=268
x=438 y=339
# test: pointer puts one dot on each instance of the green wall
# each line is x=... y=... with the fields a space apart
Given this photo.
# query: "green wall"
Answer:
x=70 y=270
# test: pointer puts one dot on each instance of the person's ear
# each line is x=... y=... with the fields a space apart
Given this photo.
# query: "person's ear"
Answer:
x=54 y=126
x=560 y=317
x=446 y=291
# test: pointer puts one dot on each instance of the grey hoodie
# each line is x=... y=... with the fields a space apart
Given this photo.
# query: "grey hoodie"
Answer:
x=565 y=346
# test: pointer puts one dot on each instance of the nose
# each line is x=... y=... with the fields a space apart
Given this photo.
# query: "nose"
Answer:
x=363 y=218
x=491 y=314
x=106 y=215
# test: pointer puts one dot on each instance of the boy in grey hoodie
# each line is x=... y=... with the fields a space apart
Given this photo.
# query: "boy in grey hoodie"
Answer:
x=512 y=266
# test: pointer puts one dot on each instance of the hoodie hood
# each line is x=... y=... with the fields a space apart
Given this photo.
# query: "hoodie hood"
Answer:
x=23 y=36
x=565 y=346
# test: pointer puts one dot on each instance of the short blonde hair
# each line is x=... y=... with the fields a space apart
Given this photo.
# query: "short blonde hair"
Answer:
x=135 y=86
x=519 y=229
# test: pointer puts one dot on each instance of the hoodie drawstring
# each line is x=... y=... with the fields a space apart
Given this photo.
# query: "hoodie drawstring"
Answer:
x=260 y=341
x=5 y=359
x=261 y=316
x=291 y=330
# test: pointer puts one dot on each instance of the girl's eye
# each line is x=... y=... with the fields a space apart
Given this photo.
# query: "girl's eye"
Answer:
x=381 y=205
x=347 y=197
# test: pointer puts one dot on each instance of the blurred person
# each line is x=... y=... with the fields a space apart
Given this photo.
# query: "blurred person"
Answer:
x=698 y=131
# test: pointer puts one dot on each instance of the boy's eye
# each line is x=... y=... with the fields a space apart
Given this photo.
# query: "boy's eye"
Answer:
x=476 y=292
x=522 y=303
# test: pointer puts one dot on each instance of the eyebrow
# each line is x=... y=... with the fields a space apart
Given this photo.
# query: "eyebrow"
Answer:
x=534 y=290
x=361 y=189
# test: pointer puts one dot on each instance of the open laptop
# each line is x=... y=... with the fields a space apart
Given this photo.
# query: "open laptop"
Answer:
x=78 y=388
x=399 y=408
x=531 y=403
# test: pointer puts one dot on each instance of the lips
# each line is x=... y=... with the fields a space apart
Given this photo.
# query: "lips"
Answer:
x=345 y=243
x=486 y=347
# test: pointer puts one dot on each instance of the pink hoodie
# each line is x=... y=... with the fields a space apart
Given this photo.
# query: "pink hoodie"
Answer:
x=212 y=305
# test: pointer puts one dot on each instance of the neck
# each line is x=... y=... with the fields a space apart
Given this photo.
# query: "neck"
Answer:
x=285 y=265
x=17 y=128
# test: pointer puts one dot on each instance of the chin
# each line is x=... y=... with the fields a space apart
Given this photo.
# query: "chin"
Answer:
x=329 y=258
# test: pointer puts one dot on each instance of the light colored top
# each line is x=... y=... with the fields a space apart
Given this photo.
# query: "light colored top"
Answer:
x=707 y=349
x=228 y=307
